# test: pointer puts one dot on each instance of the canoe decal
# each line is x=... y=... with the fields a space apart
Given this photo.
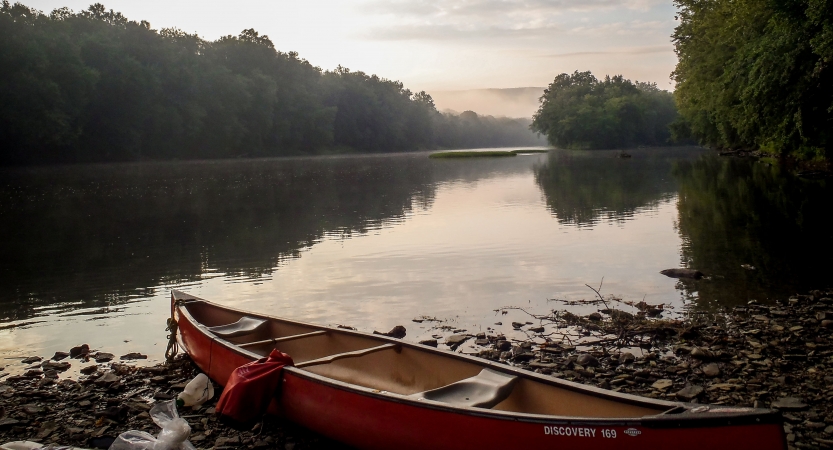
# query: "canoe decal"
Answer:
x=573 y=431
x=633 y=432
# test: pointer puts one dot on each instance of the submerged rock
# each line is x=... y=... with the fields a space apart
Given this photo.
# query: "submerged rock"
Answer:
x=397 y=332
x=683 y=273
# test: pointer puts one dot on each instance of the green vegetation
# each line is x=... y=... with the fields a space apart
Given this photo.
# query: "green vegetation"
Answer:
x=581 y=112
x=481 y=154
x=756 y=74
x=95 y=86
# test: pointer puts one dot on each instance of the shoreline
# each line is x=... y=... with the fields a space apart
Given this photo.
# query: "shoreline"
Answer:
x=776 y=355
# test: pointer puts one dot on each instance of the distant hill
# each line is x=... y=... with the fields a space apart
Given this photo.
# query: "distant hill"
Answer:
x=512 y=102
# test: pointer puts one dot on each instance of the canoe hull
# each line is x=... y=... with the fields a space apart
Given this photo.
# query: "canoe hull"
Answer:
x=372 y=420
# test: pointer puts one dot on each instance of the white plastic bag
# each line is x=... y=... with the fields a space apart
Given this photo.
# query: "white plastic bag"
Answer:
x=196 y=392
x=174 y=434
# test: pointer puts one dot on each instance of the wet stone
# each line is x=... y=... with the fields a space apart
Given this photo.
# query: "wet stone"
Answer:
x=89 y=369
x=132 y=356
x=79 y=351
x=58 y=366
x=31 y=359
x=102 y=357
x=59 y=356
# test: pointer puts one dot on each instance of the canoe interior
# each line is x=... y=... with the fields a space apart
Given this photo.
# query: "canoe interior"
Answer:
x=409 y=370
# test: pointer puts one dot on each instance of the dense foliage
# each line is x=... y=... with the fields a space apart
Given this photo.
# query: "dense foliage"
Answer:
x=580 y=111
x=95 y=86
x=756 y=73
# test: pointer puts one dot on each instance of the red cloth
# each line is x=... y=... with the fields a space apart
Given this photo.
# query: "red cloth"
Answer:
x=250 y=389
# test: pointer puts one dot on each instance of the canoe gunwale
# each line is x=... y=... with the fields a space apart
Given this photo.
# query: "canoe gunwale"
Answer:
x=682 y=420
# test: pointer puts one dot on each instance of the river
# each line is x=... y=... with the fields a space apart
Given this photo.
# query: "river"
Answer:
x=90 y=252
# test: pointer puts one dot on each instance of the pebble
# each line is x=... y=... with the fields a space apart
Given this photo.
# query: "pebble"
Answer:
x=131 y=356
x=429 y=342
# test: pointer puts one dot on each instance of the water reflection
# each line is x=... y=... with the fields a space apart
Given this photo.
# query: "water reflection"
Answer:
x=735 y=213
x=105 y=234
x=585 y=187
x=372 y=241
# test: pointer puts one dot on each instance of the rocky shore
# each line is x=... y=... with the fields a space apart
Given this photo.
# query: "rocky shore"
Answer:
x=777 y=355
x=769 y=356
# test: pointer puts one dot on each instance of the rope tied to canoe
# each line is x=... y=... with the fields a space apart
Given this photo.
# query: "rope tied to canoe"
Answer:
x=173 y=346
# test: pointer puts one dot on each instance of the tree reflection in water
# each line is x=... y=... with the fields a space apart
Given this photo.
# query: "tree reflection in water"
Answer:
x=735 y=212
x=95 y=235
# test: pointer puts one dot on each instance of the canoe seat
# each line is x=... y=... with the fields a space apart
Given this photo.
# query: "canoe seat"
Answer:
x=244 y=326
x=484 y=390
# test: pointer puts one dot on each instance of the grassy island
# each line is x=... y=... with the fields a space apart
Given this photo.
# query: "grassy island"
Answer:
x=530 y=150
x=457 y=154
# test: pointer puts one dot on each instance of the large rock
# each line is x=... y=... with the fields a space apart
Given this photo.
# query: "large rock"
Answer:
x=682 y=273
x=626 y=358
x=397 y=332
x=662 y=384
x=689 y=392
x=455 y=340
x=701 y=353
x=587 y=360
x=80 y=351
x=711 y=370
x=790 y=404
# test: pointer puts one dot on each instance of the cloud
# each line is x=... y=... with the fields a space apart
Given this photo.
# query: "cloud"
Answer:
x=623 y=51
x=486 y=8
x=474 y=19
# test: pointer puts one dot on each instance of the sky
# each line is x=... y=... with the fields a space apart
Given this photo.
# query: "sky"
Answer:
x=438 y=44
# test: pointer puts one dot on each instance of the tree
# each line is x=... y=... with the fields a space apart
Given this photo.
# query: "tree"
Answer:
x=579 y=111
x=756 y=74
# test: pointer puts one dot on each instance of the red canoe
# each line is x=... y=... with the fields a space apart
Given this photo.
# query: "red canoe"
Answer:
x=375 y=392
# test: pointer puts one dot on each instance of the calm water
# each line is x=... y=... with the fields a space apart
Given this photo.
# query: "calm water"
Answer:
x=90 y=252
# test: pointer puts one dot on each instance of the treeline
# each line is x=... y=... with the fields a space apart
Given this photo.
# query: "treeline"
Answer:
x=95 y=86
x=756 y=74
x=580 y=111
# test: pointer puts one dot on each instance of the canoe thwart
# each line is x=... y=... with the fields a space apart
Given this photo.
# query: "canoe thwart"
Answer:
x=353 y=354
x=243 y=326
x=284 y=339
x=484 y=390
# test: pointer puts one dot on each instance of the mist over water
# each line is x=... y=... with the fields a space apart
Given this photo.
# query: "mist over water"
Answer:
x=374 y=241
